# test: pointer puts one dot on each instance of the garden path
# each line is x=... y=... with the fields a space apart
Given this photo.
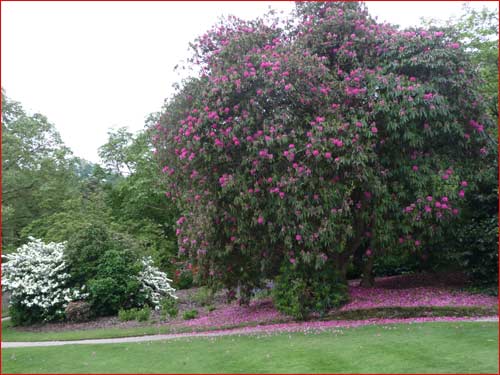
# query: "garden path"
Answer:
x=273 y=328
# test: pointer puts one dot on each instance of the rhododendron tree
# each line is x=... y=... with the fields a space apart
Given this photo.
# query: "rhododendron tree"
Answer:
x=302 y=143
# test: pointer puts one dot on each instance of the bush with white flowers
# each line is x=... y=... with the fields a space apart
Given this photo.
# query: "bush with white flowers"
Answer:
x=155 y=283
x=36 y=276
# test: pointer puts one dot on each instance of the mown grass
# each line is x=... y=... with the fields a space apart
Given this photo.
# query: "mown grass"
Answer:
x=10 y=333
x=451 y=347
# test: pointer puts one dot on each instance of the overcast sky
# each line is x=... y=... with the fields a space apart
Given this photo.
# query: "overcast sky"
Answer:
x=91 y=66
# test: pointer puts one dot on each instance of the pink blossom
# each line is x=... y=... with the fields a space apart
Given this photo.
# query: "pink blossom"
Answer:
x=328 y=155
x=461 y=193
x=374 y=130
x=464 y=183
x=260 y=220
x=298 y=237
x=415 y=168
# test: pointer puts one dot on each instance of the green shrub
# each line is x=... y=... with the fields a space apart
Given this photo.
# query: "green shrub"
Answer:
x=211 y=308
x=107 y=263
x=20 y=315
x=84 y=250
x=169 y=307
x=126 y=315
x=190 y=314
x=203 y=296
x=113 y=287
x=143 y=314
x=300 y=291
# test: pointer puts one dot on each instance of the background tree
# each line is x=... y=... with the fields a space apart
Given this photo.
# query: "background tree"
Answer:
x=136 y=199
x=37 y=171
x=50 y=194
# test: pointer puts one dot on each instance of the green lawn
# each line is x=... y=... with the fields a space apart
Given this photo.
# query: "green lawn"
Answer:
x=465 y=347
x=10 y=333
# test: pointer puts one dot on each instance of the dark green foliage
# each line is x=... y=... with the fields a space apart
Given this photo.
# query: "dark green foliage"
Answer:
x=114 y=285
x=85 y=249
x=107 y=263
x=184 y=280
x=471 y=244
x=300 y=290
x=396 y=264
x=190 y=314
x=474 y=240
x=21 y=315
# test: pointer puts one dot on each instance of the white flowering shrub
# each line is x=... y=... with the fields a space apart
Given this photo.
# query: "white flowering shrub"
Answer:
x=36 y=276
x=154 y=283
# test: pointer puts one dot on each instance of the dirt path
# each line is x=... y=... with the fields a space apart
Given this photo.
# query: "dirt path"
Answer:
x=239 y=331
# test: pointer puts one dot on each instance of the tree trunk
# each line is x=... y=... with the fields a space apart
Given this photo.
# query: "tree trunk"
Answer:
x=368 y=280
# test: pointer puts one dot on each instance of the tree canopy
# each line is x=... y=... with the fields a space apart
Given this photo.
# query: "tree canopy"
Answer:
x=302 y=143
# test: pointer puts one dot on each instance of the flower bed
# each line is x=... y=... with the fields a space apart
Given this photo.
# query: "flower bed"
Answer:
x=389 y=292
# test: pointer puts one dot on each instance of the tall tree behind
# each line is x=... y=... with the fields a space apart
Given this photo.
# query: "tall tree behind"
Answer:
x=137 y=199
x=37 y=170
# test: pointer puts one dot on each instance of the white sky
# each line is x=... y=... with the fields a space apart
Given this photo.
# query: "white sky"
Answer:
x=90 y=66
